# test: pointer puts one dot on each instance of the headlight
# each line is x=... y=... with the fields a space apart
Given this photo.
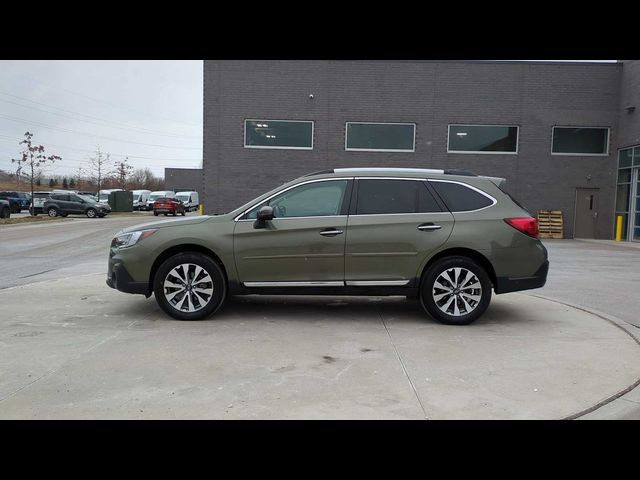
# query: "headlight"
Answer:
x=129 y=239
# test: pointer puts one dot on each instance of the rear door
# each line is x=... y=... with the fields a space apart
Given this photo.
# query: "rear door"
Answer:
x=393 y=225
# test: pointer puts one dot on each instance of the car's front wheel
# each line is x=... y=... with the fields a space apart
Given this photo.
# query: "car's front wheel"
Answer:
x=455 y=290
x=189 y=286
x=91 y=213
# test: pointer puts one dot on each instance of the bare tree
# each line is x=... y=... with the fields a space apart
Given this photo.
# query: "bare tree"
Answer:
x=100 y=167
x=123 y=172
x=33 y=157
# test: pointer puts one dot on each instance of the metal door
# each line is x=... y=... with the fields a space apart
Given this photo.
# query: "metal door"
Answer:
x=586 y=219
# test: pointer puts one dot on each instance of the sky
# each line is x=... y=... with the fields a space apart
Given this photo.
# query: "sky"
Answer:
x=148 y=110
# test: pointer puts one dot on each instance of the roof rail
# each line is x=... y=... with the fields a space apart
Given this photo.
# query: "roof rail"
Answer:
x=392 y=169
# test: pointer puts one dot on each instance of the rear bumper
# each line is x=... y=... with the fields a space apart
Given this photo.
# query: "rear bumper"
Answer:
x=507 y=284
x=119 y=279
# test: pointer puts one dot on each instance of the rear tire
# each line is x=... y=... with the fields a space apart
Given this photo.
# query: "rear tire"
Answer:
x=183 y=303
x=155 y=214
x=91 y=213
x=455 y=290
x=6 y=213
x=52 y=212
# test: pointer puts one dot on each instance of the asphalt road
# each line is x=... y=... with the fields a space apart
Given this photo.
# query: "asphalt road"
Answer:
x=59 y=249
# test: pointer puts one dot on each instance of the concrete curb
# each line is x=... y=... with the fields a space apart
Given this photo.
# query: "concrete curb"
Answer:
x=629 y=329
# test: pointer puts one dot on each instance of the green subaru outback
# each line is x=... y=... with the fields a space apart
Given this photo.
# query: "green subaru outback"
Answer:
x=444 y=237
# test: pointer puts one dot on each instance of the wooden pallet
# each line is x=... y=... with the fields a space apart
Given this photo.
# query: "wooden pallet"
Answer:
x=550 y=224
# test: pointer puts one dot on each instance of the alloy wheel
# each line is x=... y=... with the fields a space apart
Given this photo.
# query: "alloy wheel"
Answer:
x=457 y=291
x=188 y=287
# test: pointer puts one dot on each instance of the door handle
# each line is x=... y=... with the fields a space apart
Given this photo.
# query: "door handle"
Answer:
x=331 y=232
x=428 y=227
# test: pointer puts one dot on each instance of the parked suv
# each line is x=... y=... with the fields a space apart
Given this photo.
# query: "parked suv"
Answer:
x=17 y=201
x=445 y=237
x=64 y=204
x=168 y=205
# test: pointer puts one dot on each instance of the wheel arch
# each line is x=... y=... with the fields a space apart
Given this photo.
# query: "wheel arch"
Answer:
x=185 y=248
x=463 y=252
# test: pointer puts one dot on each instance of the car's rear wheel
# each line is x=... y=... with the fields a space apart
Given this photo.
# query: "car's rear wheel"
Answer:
x=155 y=214
x=189 y=286
x=183 y=213
x=455 y=290
x=52 y=212
x=6 y=213
x=91 y=213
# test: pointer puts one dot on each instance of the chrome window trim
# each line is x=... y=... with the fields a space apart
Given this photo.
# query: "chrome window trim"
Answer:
x=608 y=129
x=401 y=150
x=479 y=152
x=493 y=200
x=237 y=218
x=267 y=147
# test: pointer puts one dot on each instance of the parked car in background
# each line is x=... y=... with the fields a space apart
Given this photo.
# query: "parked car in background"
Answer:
x=16 y=202
x=5 y=209
x=158 y=194
x=140 y=198
x=63 y=204
x=189 y=200
x=37 y=202
x=168 y=206
x=445 y=237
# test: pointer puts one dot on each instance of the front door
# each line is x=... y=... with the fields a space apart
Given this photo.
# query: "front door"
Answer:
x=392 y=228
x=587 y=205
x=303 y=245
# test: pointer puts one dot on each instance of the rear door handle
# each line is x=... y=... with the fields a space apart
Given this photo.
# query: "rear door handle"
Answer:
x=428 y=227
x=331 y=232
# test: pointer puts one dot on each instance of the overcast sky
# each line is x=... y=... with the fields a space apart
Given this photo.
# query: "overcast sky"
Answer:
x=150 y=111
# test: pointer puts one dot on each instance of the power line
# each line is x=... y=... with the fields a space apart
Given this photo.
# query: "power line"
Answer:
x=105 y=102
x=6 y=138
x=103 y=122
x=67 y=130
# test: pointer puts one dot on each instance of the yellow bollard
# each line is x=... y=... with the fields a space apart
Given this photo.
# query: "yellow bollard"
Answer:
x=201 y=209
x=619 y=228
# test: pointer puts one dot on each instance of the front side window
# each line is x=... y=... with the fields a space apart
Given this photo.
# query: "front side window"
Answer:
x=286 y=134
x=580 y=141
x=385 y=137
x=380 y=197
x=461 y=198
x=483 y=139
x=309 y=200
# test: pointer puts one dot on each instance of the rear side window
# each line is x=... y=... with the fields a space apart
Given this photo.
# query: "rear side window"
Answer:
x=394 y=196
x=460 y=198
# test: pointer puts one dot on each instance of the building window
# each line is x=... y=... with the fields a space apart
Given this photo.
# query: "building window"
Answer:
x=483 y=139
x=380 y=137
x=580 y=141
x=292 y=134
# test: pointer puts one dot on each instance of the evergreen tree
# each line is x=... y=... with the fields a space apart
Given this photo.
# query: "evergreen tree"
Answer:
x=65 y=185
x=72 y=183
x=51 y=183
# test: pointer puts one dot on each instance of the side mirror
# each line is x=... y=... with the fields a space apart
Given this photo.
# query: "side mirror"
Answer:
x=265 y=213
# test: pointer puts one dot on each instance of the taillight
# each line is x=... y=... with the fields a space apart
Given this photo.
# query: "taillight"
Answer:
x=526 y=225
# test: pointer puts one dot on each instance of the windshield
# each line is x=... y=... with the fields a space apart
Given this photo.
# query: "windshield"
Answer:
x=183 y=198
x=103 y=197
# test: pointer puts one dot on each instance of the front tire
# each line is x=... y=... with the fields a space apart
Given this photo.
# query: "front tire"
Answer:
x=189 y=286
x=455 y=290
x=91 y=213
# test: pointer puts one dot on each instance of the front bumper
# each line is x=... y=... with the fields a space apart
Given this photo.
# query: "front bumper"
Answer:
x=119 y=279
x=507 y=284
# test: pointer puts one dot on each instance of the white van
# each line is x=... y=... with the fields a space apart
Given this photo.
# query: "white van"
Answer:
x=103 y=195
x=157 y=194
x=189 y=200
x=140 y=198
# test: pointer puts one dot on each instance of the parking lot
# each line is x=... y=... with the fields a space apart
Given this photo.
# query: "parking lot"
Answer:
x=74 y=348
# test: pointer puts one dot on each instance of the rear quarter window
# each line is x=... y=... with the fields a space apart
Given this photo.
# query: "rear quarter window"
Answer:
x=459 y=197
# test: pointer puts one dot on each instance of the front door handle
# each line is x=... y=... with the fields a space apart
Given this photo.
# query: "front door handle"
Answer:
x=428 y=227
x=331 y=232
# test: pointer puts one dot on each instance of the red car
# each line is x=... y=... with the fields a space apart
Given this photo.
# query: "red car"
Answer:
x=168 y=205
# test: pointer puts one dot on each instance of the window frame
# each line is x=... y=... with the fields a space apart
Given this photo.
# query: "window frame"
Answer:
x=401 y=150
x=480 y=152
x=608 y=152
x=269 y=147
x=347 y=198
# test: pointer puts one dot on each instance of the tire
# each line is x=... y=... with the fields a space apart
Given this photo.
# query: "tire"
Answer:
x=155 y=213
x=52 y=212
x=166 y=214
x=6 y=213
x=183 y=214
x=64 y=215
x=174 y=268
x=465 y=307
x=91 y=213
